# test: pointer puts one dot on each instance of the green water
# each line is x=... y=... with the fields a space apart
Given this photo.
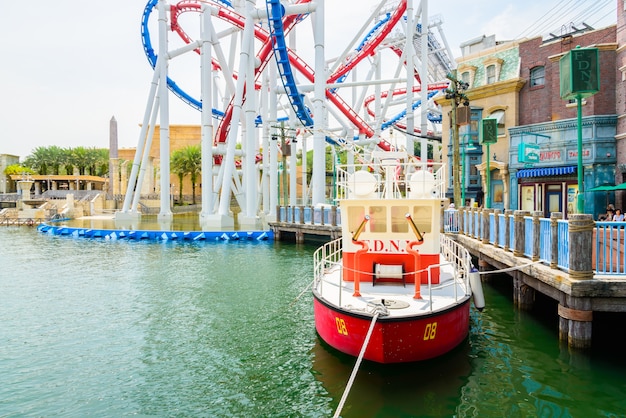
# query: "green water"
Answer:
x=121 y=328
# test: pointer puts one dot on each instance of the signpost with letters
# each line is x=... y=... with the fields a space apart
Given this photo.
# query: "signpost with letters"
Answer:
x=487 y=135
x=580 y=78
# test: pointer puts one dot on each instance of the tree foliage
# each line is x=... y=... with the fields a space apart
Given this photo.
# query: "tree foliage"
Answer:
x=55 y=160
x=187 y=161
x=15 y=169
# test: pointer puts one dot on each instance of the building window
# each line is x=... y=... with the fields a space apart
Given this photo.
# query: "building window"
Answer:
x=468 y=72
x=491 y=74
x=498 y=115
x=537 y=76
x=493 y=66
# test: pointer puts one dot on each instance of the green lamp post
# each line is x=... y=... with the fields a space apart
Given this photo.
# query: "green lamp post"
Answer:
x=468 y=145
x=580 y=78
x=487 y=135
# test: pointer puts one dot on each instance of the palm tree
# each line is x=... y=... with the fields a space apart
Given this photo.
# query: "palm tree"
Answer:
x=68 y=160
x=57 y=157
x=193 y=166
x=80 y=158
x=38 y=160
x=185 y=161
x=177 y=166
x=100 y=165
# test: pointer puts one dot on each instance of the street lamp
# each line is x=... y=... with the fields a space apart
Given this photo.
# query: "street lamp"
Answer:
x=456 y=93
x=468 y=145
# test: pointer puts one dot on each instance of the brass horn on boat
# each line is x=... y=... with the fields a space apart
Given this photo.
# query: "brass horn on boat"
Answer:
x=417 y=232
x=355 y=236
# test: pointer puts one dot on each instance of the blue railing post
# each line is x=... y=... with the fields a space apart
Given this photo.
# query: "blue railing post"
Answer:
x=462 y=212
x=554 y=250
x=496 y=226
x=485 y=228
x=520 y=232
x=580 y=246
x=507 y=229
x=536 y=234
x=474 y=227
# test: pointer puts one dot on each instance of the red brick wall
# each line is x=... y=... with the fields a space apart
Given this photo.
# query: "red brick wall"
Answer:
x=543 y=103
x=620 y=93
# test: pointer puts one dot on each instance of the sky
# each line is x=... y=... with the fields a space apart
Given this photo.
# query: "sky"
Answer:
x=68 y=67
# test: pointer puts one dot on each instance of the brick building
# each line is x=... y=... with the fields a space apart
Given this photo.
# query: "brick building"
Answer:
x=548 y=125
x=620 y=101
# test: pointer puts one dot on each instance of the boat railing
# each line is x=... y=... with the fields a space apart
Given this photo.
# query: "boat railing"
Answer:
x=392 y=178
x=460 y=258
x=325 y=258
x=328 y=257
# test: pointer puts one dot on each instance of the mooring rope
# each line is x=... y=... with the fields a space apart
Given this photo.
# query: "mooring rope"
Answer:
x=302 y=293
x=509 y=268
x=356 y=366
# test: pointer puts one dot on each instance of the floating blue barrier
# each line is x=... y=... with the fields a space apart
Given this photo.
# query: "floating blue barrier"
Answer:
x=155 y=235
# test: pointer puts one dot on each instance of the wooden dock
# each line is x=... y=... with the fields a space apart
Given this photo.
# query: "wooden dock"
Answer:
x=301 y=221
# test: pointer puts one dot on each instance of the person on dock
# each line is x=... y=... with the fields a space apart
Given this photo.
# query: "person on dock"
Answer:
x=608 y=216
x=619 y=216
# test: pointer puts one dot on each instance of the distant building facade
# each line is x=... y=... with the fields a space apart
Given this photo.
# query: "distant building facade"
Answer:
x=491 y=70
x=549 y=124
x=181 y=136
x=518 y=83
x=6 y=184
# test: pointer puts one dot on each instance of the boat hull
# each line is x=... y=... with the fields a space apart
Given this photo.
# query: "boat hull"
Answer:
x=394 y=340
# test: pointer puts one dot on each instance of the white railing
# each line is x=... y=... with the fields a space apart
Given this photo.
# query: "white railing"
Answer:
x=395 y=178
x=329 y=256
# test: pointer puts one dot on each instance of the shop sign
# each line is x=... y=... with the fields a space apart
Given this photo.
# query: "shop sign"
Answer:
x=573 y=154
x=579 y=73
x=550 y=156
x=528 y=153
x=488 y=131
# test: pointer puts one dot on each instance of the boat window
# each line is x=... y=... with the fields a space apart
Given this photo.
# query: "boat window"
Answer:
x=398 y=219
x=378 y=219
x=355 y=217
x=422 y=216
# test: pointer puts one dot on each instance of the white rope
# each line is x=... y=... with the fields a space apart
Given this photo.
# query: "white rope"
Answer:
x=302 y=293
x=356 y=366
x=510 y=268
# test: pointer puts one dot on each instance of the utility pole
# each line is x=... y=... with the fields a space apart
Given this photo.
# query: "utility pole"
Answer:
x=456 y=92
x=285 y=150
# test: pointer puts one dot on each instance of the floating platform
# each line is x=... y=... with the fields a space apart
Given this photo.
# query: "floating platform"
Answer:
x=138 y=235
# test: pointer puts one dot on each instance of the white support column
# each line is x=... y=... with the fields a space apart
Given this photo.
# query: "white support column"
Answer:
x=207 y=116
x=165 y=213
x=224 y=215
x=146 y=156
x=248 y=218
x=319 y=143
x=424 y=77
x=409 y=53
x=273 y=121
x=265 y=114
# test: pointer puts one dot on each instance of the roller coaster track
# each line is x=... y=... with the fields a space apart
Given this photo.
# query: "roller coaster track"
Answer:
x=273 y=44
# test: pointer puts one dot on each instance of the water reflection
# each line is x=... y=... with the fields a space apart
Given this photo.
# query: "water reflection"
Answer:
x=430 y=388
x=179 y=222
